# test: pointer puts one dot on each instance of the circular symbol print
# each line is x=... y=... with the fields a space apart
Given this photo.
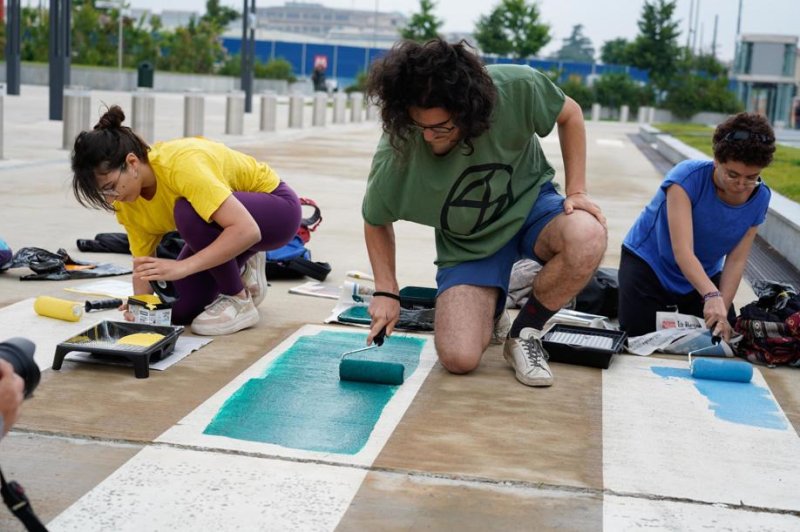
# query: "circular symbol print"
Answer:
x=480 y=195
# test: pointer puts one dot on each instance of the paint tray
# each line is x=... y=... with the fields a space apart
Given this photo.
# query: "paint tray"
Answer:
x=417 y=297
x=583 y=346
x=102 y=339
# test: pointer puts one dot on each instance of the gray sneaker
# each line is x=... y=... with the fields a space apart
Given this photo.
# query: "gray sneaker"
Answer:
x=501 y=327
x=226 y=315
x=528 y=358
x=254 y=277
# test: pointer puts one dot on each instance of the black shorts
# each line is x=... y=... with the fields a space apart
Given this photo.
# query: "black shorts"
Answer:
x=641 y=295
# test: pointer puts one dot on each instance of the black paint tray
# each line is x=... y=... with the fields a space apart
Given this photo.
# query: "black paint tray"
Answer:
x=583 y=346
x=101 y=340
x=417 y=297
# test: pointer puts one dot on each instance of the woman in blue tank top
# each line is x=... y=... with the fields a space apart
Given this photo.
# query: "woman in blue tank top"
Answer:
x=688 y=248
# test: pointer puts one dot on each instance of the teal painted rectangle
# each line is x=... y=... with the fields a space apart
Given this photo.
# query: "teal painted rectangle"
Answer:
x=300 y=402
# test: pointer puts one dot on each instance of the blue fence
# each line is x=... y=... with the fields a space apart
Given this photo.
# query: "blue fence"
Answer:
x=345 y=62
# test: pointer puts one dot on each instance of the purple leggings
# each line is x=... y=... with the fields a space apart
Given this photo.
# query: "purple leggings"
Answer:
x=277 y=215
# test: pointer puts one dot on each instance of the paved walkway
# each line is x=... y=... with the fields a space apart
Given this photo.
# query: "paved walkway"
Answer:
x=633 y=446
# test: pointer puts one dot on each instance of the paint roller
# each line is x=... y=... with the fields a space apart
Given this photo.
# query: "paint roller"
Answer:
x=369 y=370
x=719 y=370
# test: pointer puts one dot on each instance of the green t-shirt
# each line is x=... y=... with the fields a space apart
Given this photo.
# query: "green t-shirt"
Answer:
x=476 y=202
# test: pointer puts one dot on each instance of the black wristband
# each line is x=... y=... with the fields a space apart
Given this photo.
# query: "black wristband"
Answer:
x=390 y=295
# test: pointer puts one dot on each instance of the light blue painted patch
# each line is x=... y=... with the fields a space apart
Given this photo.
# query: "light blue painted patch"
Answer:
x=300 y=403
x=737 y=402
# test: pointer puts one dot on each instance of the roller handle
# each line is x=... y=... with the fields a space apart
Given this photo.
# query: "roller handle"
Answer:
x=102 y=304
x=380 y=337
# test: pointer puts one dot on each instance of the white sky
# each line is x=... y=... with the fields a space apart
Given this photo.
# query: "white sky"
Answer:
x=603 y=20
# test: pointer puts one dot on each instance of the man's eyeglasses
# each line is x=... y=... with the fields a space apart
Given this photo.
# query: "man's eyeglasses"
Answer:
x=110 y=189
x=436 y=130
x=743 y=134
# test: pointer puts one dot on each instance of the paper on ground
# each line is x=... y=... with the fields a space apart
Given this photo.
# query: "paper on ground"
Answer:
x=104 y=287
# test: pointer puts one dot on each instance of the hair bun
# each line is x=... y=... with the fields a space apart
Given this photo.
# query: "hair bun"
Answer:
x=111 y=119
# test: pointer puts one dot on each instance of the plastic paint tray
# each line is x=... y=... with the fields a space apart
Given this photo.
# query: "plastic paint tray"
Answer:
x=417 y=297
x=583 y=346
x=101 y=340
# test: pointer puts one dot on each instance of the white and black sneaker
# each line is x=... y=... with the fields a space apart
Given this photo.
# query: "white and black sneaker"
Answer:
x=528 y=358
x=501 y=327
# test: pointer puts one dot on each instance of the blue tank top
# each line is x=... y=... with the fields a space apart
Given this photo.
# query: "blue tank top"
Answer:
x=717 y=226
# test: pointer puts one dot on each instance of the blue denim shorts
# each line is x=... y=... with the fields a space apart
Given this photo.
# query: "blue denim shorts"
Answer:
x=495 y=270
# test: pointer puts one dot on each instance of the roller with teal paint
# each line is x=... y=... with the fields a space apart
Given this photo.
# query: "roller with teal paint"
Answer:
x=361 y=368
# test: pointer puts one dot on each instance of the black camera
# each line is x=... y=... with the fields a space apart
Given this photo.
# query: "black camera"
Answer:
x=19 y=353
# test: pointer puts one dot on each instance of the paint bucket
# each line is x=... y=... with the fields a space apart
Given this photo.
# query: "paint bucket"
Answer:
x=150 y=310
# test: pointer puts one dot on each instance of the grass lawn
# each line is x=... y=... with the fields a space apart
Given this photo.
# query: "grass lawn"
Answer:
x=782 y=175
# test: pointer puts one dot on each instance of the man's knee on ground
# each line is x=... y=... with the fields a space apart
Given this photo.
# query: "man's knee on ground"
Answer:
x=457 y=360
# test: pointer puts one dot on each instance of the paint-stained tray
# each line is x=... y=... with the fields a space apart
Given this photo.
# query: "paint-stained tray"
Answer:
x=584 y=346
x=102 y=340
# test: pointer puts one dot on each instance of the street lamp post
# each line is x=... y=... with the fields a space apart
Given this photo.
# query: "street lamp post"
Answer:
x=121 y=6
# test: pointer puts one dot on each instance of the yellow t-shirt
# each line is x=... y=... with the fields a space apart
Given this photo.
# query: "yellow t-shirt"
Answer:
x=202 y=171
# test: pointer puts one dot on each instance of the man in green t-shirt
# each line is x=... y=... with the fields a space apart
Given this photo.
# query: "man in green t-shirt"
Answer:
x=460 y=154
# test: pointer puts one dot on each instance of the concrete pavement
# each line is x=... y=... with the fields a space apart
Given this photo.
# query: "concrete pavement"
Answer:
x=97 y=449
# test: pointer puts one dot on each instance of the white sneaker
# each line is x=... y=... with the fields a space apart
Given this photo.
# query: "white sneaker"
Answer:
x=528 y=358
x=226 y=315
x=501 y=327
x=254 y=277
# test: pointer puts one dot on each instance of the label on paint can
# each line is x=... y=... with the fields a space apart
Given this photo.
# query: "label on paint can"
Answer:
x=149 y=309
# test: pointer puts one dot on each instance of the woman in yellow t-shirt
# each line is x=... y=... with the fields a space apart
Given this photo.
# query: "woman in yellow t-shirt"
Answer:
x=228 y=208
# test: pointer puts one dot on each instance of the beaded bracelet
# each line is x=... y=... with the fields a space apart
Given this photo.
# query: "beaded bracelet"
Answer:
x=386 y=294
x=711 y=295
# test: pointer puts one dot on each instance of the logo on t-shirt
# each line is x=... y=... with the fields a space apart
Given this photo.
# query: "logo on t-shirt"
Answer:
x=479 y=197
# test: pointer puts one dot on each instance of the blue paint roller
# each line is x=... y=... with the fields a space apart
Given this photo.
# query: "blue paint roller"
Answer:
x=719 y=370
x=369 y=370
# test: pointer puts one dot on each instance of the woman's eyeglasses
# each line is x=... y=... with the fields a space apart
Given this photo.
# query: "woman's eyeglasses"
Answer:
x=743 y=134
x=110 y=189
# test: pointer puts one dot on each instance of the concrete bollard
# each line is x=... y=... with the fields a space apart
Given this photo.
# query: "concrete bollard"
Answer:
x=234 y=113
x=143 y=114
x=624 y=114
x=320 y=108
x=339 y=107
x=269 y=108
x=596 y=108
x=193 y=114
x=642 y=115
x=77 y=115
x=651 y=115
x=356 y=106
x=296 y=102
x=373 y=111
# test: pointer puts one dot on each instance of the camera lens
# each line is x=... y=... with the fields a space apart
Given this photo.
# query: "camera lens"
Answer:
x=19 y=353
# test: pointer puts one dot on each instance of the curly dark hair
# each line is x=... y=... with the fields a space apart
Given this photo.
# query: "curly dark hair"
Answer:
x=433 y=74
x=747 y=138
x=99 y=152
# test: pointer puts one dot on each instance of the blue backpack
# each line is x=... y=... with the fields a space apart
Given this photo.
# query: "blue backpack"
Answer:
x=293 y=261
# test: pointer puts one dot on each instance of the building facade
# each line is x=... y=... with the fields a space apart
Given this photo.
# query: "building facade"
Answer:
x=765 y=71
x=317 y=20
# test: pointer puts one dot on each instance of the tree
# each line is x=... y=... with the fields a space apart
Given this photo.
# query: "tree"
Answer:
x=219 y=15
x=700 y=83
x=423 y=26
x=656 y=47
x=576 y=89
x=512 y=28
x=617 y=89
x=616 y=52
x=576 y=47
